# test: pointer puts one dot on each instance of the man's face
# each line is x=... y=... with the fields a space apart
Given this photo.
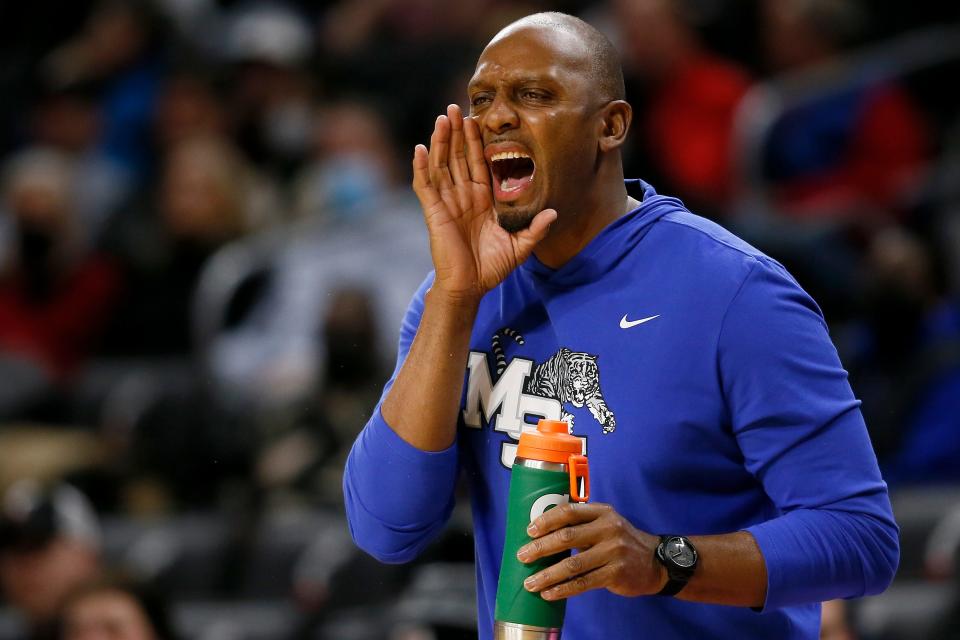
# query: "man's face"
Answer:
x=537 y=108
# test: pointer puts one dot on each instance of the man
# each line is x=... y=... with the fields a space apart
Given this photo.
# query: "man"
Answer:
x=722 y=415
x=49 y=544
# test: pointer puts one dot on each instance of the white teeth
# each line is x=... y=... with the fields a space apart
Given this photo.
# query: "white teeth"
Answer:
x=508 y=155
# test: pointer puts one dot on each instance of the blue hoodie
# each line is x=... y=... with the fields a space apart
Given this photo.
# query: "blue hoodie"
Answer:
x=709 y=397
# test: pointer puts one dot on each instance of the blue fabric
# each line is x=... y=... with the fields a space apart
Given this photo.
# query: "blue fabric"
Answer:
x=930 y=448
x=815 y=137
x=128 y=108
x=731 y=412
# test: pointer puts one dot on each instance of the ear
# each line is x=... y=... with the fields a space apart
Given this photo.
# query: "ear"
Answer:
x=615 y=122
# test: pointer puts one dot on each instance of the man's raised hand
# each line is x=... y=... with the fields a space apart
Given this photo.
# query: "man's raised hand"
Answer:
x=471 y=252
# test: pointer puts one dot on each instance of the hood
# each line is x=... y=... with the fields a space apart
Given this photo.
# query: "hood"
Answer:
x=609 y=246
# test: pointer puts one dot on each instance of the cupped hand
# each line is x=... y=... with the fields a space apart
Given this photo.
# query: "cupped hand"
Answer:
x=612 y=553
x=471 y=252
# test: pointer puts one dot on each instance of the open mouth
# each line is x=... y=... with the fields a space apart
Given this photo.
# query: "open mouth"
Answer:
x=512 y=172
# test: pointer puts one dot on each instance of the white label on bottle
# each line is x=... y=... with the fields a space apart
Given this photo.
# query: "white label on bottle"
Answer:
x=544 y=502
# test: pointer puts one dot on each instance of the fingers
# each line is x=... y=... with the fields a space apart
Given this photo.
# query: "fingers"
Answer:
x=567 y=569
x=526 y=240
x=613 y=554
x=458 y=157
x=439 y=154
x=479 y=172
x=426 y=193
x=566 y=514
x=571 y=537
x=538 y=229
x=597 y=579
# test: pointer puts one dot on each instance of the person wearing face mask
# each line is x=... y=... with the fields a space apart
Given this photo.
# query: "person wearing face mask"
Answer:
x=352 y=172
x=55 y=296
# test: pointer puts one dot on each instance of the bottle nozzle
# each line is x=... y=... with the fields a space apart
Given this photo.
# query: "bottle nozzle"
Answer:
x=552 y=426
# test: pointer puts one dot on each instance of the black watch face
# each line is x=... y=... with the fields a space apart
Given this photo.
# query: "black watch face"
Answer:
x=680 y=552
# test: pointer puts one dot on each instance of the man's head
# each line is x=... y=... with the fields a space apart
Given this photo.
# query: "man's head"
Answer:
x=49 y=543
x=548 y=96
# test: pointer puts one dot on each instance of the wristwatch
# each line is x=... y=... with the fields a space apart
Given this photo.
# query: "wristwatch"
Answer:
x=680 y=558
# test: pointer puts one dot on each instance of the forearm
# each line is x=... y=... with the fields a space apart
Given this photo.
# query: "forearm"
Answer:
x=731 y=571
x=421 y=406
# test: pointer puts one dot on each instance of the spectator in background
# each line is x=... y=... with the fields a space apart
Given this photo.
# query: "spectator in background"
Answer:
x=146 y=385
x=55 y=296
x=49 y=545
x=843 y=157
x=208 y=196
x=310 y=452
x=188 y=107
x=854 y=152
x=359 y=230
x=115 y=609
x=271 y=101
x=689 y=95
x=119 y=50
x=906 y=361
x=69 y=120
x=365 y=43
x=325 y=319
x=352 y=166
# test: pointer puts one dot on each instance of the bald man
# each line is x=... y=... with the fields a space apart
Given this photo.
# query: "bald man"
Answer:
x=700 y=377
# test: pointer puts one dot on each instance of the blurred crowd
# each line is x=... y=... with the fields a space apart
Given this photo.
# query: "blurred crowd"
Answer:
x=208 y=240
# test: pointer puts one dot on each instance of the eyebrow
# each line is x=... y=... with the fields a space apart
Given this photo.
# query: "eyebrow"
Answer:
x=480 y=82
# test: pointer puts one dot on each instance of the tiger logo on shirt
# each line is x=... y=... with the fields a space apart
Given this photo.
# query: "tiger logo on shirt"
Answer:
x=569 y=377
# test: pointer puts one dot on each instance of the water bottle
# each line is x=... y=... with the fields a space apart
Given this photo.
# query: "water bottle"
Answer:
x=546 y=472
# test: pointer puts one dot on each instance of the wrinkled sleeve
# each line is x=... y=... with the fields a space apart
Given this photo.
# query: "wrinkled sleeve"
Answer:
x=397 y=497
x=802 y=435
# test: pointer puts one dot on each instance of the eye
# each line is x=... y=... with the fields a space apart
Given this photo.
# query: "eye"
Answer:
x=534 y=94
x=480 y=99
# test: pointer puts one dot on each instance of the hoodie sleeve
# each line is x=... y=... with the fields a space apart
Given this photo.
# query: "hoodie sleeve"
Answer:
x=803 y=437
x=397 y=497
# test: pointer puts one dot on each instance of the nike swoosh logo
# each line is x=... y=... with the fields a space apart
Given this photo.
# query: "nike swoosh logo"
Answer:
x=626 y=324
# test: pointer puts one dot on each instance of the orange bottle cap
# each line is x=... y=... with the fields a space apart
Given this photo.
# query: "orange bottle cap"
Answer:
x=551 y=442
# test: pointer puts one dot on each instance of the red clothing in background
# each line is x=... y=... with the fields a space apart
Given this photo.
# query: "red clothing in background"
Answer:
x=882 y=157
x=690 y=126
x=58 y=329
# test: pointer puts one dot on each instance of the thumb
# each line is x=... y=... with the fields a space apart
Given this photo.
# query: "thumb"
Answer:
x=527 y=239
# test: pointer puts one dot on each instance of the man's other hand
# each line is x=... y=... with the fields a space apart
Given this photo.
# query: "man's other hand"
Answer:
x=611 y=553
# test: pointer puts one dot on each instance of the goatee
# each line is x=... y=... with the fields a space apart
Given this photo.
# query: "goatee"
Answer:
x=514 y=221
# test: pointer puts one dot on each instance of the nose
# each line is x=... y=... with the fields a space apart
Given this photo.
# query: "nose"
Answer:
x=500 y=116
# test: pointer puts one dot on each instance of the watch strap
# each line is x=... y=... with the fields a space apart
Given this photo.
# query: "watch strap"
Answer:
x=672 y=587
x=677 y=577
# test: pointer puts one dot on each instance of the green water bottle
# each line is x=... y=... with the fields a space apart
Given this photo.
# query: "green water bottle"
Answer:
x=546 y=473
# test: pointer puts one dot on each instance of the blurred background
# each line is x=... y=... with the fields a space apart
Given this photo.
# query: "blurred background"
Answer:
x=208 y=239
